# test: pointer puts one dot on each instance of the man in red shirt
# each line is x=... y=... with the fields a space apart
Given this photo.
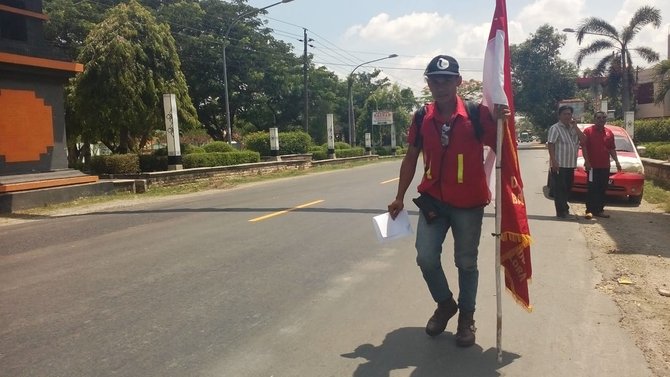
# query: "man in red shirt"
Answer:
x=453 y=194
x=599 y=146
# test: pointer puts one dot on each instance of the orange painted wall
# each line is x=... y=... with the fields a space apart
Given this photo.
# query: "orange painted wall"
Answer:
x=26 y=126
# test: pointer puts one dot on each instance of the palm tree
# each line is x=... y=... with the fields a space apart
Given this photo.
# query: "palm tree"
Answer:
x=618 y=42
x=662 y=73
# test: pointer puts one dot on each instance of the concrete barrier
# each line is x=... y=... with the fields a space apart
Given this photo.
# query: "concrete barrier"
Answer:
x=657 y=170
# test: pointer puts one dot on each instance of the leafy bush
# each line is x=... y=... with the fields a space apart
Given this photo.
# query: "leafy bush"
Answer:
x=351 y=152
x=318 y=152
x=386 y=151
x=652 y=130
x=198 y=160
x=153 y=163
x=259 y=142
x=657 y=150
x=294 y=142
x=383 y=151
x=190 y=149
x=338 y=145
x=116 y=164
x=218 y=146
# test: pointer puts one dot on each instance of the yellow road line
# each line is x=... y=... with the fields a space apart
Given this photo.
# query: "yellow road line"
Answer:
x=390 y=180
x=284 y=211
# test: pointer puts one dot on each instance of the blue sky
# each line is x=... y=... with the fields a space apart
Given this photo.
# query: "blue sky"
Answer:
x=347 y=32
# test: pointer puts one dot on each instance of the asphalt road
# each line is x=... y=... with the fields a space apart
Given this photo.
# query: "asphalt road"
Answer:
x=224 y=284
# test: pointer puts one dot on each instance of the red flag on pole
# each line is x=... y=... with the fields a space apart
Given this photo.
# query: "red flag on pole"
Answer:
x=510 y=204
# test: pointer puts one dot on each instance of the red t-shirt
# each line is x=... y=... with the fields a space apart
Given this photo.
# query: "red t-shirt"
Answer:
x=598 y=145
x=455 y=174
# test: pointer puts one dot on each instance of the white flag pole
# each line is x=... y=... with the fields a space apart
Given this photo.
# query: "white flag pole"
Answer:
x=498 y=202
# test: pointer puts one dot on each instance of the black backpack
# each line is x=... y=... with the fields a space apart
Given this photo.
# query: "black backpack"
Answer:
x=471 y=107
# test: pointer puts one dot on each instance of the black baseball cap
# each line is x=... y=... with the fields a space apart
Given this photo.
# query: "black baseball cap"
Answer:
x=442 y=65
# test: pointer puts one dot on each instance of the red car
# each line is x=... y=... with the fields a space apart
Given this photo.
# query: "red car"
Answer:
x=629 y=183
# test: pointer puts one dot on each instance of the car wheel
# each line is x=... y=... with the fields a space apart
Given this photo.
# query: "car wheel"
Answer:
x=635 y=199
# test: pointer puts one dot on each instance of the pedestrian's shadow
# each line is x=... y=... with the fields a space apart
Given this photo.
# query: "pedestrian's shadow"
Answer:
x=410 y=347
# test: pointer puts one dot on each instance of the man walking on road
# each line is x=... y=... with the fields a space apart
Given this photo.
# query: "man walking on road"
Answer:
x=563 y=141
x=453 y=193
x=599 y=145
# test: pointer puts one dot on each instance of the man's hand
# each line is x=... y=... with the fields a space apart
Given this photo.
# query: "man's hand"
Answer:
x=501 y=112
x=587 y=166
x=573 y=123
x=395 y=207
x=553 y=164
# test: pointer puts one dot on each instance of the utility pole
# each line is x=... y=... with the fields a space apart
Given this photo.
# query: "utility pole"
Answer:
x=305 y=66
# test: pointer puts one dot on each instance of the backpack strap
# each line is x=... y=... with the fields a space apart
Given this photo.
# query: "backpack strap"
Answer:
x=473 y=113
x=418 y=120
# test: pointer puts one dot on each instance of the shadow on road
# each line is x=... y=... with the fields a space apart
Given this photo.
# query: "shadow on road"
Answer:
x=410 y=347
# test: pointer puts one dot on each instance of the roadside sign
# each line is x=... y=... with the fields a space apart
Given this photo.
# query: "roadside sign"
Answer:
x=382 y=117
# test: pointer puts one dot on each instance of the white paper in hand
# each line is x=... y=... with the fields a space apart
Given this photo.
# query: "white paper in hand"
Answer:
x=388 y=229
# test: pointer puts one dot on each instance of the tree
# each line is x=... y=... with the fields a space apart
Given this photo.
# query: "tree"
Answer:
x=618 y=43
x=264 y=76
x=662 y=75
x=540 y=78
x=387 y=98
x=363 y=84
x=69 y=23
x=131 y=61
x=327 y=95
x=471 y=89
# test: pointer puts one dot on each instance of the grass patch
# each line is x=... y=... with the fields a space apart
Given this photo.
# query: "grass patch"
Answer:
x=656 y=194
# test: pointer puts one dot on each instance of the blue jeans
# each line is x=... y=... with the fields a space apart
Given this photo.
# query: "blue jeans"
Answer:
x=466 y=228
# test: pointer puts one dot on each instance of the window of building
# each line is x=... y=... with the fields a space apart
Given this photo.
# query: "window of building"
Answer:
x=645 y=93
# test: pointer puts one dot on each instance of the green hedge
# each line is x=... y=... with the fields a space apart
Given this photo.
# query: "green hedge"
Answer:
x=351 y=152
x=116 y=164
x=386 y=151
x=218 y=146
x=648 y=130
x=199 y=160
x=190 y=149
x=318 y=152
x=321 y=152
x=184 y=148
x=657 y=150
x=294 y=142
x=338 y=145
x=153 y=163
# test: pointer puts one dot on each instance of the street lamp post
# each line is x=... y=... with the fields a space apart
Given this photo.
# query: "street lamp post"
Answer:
x=225 y=70
x=352 y=122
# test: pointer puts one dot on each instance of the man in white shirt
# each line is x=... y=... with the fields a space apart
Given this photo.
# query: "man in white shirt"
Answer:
x=563 y=142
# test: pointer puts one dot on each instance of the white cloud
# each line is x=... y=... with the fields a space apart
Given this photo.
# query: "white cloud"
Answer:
x=557 y=13
x=418 y=36
x=404 y=31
